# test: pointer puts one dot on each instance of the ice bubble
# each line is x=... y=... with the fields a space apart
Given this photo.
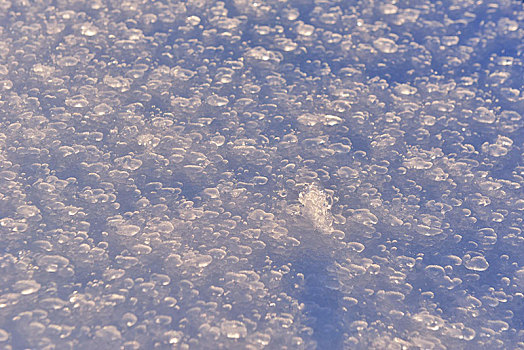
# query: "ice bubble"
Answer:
x=173 y=261
x=286 y=44
x=52 y=263
x=141 y=249
x=129 y=163
x=332 y=120
x=7 y=175
x=77 y=101
x=260 y=215
x=484 y=115
x=260 y=180
x=261 y=54
x=108 y=333
x=160 y=279
x=487 y=236
x=165 y=227
x=43 y=245
x=405 y=89
x=217 y=101
x=477 y=263
x=6 y=85
x=429 y=321
x=233 y=329
x=3 y=335
x=193 y=20
x=450 y=40
x=52 y=303
x=88 y=29
x=174 y=337
x=68 y=61
x=212 y=193
x=506 y=25
x=519 y=277
x=355 y=246
x=28 y=210
x=385 y=45
x=128 y=230
x=309 y=119
x=435 y=272
x=305 y=29
x=129 y=319
x=181 y=73
x=347 y=173
x=202 y=260
x=102 y=109
x=363 y=216
x=417 y=163
x=498 y=325
x=388 y=9
x=26 y=287
x=291 y=14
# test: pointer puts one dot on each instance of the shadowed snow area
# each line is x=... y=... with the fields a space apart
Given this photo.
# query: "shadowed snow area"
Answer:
x=302 y=174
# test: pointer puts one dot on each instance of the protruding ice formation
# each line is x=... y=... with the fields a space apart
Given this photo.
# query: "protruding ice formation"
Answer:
x=316 y=206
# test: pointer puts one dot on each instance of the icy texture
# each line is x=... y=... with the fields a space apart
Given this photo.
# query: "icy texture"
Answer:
x=316 y=207
x=264 y=174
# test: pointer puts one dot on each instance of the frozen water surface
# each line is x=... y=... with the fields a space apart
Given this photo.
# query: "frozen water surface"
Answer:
x=303 y=174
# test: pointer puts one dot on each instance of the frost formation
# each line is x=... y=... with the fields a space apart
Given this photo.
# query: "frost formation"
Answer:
x=316 y=206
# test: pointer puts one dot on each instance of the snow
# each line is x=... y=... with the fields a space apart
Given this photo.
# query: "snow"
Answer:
x=264 y=174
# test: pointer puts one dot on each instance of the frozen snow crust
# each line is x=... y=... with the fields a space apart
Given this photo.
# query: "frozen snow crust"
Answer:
x=248 y=174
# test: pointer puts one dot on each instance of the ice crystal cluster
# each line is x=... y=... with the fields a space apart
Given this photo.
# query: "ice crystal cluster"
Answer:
x=241 y=174
x=316 y=207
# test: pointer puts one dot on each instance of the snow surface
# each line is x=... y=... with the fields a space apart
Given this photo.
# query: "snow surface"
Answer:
x=261 y=174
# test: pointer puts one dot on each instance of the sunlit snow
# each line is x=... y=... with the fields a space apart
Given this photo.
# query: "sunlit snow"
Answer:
x=302 y=174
